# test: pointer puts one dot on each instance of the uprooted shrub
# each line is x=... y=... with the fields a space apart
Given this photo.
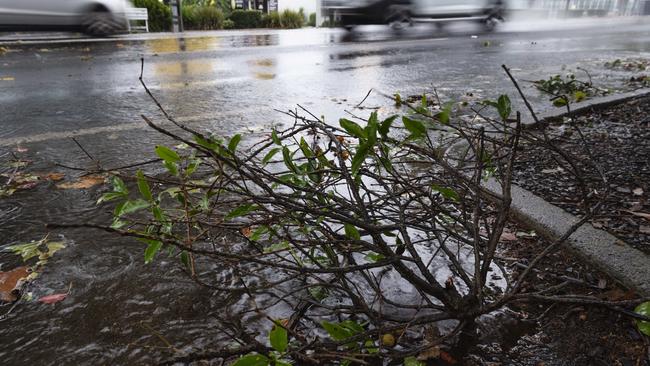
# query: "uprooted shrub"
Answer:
x=342 y=242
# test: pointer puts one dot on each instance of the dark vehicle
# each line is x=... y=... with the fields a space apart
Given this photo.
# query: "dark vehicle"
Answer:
x=401 y=13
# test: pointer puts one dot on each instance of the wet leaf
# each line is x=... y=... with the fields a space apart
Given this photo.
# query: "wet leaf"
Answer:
x=279 y=338
x=412 y=361
x=167 y=154
x=352 y=232
x=53 y=299
x=447 y=358
x=638 y=191
x=246 y=231
x=446 y=192
x=352 y=128
x=429 y=354
x=416 y=128
x=143 y=186
x=84 y=182
x=54 y=177
x=388 y=340
x=643 y=309
x=252 y=360
x=240 y=211
x=11 y=281
x=153 y=248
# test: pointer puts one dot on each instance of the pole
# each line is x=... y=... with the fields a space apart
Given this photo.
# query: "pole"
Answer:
x=177 y=18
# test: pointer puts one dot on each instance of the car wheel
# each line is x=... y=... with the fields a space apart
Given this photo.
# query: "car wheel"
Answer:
x=99 y=24
x=400 y=20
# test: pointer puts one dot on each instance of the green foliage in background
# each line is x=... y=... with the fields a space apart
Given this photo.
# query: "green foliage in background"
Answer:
x=197 y=17
x=160 y=15
x=287 y=19
x=246 y=19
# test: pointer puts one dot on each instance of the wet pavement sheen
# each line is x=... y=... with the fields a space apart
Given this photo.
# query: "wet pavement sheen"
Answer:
x=227 y=83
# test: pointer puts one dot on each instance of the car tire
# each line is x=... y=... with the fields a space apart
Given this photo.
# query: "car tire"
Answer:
x=399 y=19
x=99 y=24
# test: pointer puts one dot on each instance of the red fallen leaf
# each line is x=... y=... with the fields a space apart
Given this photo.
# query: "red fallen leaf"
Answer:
x=53 y=299
x=447 y=358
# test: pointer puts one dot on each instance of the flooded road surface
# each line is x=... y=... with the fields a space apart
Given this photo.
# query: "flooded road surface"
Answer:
x=226 y=82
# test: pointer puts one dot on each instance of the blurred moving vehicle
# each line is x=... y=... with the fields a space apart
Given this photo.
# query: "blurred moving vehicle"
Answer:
x=94 y=17
x=401 y=13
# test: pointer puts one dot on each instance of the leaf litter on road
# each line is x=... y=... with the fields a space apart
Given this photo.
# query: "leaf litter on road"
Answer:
x=84 y=182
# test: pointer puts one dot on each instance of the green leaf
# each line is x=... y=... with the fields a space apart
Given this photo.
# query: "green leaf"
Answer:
x=279 y=338
x=352 y=128
x=234 y=141
x=270 y=155
x=317 y=292
x=253 y=359
x=374 y=257
x=127 y=207
x=412 y=361
x=446 y=192
x=352 y=232
x=167 y=154
x=384 y=127
x=153 y=248
x=118 y=185
x=288 y=159
x=560 y=102
x=416 y=128
x=209 y=143
x=444 y=116
x=109 y=196
x=185 y=259
x=579 y=96
x=504 y=107
x=643 y=309
x=306 y=150
x=358 y=159
x=336 y=332
x=143 y=186
x=240 y=211
x=192 y=166
x=275 y=138
x=171 y=167
x=257 y=233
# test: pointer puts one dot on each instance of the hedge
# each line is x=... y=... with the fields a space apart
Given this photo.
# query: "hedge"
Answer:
x=160 y=15
x=196 y=17
x=246 y=18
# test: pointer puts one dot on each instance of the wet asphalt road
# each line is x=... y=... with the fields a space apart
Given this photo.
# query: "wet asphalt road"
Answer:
x=232 y=82
x=227 y=82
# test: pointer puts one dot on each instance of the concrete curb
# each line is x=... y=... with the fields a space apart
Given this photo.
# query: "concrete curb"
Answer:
x=629 y=266
x=587 y=106
x=625 y=264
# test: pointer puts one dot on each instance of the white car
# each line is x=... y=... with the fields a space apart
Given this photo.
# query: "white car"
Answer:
x=399 y=13
x=94 y=17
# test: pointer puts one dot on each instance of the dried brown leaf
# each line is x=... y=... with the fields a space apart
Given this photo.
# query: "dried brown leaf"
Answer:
x=83 y=183
x=11 y=281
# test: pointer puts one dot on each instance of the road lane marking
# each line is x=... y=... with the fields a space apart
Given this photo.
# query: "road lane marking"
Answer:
x=122 y=127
